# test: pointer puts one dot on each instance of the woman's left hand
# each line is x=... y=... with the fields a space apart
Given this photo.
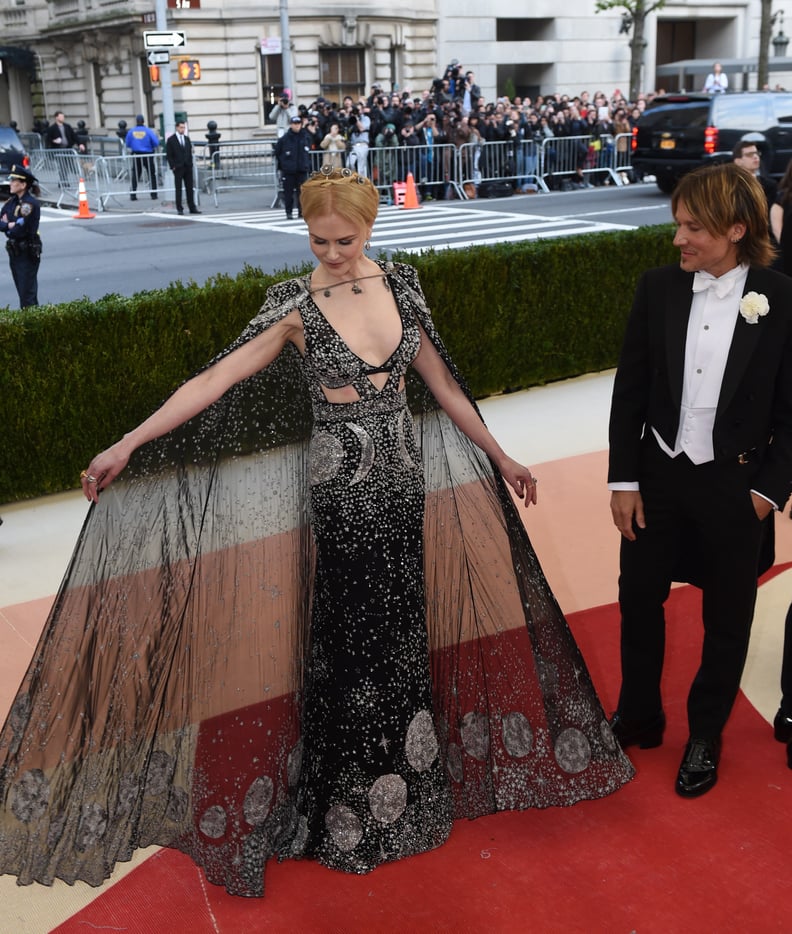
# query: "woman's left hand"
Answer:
x=520 y=479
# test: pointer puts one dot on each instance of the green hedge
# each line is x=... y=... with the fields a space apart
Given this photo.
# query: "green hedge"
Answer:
x=74 y=377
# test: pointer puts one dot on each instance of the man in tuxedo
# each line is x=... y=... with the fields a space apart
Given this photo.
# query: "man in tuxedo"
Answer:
x=178 y=150
x=700 y=453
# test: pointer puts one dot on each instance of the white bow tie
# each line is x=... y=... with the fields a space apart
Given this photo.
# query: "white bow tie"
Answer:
x=721 y=287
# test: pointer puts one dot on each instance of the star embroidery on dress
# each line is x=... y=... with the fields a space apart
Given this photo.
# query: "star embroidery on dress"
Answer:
x=384 y=742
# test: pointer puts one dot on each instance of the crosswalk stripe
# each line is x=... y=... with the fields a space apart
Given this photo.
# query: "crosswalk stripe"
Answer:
x=438 y=227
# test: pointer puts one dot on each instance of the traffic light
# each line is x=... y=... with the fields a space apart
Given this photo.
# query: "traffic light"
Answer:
x=189 y=70
x=154 y=74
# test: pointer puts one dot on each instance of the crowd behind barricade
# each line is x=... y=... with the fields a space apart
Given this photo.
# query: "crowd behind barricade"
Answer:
x=456 y=143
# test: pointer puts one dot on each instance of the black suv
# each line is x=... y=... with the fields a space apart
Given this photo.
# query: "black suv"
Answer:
x=678 y=132
x=12 y=152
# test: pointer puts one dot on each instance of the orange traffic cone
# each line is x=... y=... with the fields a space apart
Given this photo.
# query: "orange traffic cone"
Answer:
x=410 y=194
x=83 y=213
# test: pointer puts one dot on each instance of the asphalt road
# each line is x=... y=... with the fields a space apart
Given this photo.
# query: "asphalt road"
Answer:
x=146 y=246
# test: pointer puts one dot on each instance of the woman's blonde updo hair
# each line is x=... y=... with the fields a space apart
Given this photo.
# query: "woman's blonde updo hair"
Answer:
x=342 y=192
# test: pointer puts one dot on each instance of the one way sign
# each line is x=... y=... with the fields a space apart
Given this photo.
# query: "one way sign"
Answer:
x=158 y=57
x=164 y=40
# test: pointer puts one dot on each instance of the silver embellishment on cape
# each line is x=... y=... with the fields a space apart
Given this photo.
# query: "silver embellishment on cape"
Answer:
x=91 y=827
x=176 y=810
x=366 y=452
x=517 y=734
x=388 y=798
x=326 y=455
x=475 y=735
x=213 y=822
x=31 y=796
x=454 y=762
x=608 y=739
x=127 y=794
x=344 y=826
x=258 y=800
x=421 y=742
x=159 y=772
x=572 y=751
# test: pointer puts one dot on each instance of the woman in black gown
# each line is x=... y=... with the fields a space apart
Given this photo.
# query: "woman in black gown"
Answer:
x=327 y=649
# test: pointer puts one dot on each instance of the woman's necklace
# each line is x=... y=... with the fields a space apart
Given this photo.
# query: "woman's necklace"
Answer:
x=326 y=290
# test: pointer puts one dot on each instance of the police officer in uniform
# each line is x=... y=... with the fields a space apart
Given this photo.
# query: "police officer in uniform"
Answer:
x=19 y=221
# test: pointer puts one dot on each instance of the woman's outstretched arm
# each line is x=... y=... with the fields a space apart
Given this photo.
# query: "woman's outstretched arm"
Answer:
x=190 y=399
x=457 y=406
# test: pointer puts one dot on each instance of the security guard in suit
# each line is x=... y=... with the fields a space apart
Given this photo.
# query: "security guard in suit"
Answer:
x=19 y=221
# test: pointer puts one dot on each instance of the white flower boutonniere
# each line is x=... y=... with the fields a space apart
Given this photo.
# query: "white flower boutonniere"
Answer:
x=753 y=306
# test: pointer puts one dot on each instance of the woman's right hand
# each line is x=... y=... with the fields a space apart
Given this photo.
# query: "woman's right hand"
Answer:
x=103 y=469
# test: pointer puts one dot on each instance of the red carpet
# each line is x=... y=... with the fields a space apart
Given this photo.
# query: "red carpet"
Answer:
x=643 y=860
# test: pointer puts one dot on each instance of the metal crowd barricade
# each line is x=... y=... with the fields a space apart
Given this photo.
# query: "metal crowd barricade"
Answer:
x=622 y=153
x=434 y=169
x=571 y=155
x=113 y=177
x=235 y=165
x=514 y=161
x=59 y=172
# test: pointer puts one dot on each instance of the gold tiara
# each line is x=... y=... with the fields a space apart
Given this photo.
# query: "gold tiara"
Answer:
x=330 y=171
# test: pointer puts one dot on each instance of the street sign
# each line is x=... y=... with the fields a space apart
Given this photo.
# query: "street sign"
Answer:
x=158 y=57
x=164 y=40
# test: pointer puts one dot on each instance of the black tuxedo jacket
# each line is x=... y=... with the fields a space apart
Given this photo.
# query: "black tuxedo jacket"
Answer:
x=754 y=411
x=179 y=157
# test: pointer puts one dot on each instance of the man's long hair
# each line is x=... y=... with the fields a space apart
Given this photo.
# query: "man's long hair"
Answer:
x=720 y=196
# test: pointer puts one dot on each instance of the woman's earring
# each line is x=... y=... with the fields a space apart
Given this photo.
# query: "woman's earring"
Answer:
x=367 y=245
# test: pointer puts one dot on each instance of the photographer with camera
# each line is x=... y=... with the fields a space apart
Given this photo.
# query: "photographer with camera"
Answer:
x=359 y=126
x=282 y=113
x=385 y=158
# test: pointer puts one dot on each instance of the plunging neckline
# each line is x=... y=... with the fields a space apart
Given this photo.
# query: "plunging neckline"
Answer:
x=371 y=367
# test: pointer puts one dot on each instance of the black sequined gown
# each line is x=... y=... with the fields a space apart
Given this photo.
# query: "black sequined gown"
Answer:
x=372 y=786
x=268 y=646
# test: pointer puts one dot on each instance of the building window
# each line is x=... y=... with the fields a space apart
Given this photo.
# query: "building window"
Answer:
x=524 y=30
x=271 y=82
x=342 y=73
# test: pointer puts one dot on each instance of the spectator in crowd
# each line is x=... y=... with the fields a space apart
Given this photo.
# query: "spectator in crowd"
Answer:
x=717 y=82
x=359 y=126
x=385 y=161
x=334 y=146
x=282 y=113
x=746 y=154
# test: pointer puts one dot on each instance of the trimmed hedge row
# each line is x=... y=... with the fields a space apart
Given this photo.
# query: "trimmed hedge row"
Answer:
x=76 y=376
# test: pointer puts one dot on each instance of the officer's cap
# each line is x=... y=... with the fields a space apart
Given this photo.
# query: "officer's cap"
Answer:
x=20 y=173
x=295 y=119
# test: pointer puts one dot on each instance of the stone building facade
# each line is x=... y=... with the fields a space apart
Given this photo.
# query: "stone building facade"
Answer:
x=87 y=57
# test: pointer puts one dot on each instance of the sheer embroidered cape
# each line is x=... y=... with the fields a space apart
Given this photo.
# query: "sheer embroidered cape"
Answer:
x=162 y=705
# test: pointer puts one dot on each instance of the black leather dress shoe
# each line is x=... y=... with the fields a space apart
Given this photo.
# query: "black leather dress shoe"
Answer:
x=699 y=769
x=643 y=733
x=782 y=727
x=195 y=211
